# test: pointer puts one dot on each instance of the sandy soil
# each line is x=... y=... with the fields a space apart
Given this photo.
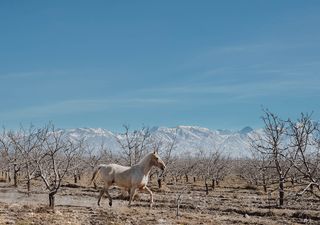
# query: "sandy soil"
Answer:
x=231 y=203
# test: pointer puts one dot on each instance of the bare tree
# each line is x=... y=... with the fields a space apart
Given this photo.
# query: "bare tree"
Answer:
x=304 y=140
x=5 y=151
x=165 y=149
x=272 y=144
x=257 y=169
x=55 y=159
x=10 y=155
x=183 y=165
x=134 y=144
x=214 y=165
x=187 y=164
x=92 y=156
x=27 y=142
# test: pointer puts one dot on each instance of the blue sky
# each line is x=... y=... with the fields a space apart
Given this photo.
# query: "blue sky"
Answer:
x=157 y=63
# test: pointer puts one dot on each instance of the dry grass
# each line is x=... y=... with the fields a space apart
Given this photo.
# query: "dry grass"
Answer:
x=231 y=203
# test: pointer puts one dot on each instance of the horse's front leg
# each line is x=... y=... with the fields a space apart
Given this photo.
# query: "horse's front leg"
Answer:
x=151 y=195
x=132 y=193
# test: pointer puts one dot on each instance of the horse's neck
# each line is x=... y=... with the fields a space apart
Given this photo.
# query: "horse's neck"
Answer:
x=145 y=165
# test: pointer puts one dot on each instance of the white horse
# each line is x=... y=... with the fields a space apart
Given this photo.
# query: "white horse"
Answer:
x=129 y=178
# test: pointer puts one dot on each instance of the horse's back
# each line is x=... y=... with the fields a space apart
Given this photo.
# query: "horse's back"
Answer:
x=118 y=168
x=109 y=171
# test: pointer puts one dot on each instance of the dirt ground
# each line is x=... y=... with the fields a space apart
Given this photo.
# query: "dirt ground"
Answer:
x=233 y=202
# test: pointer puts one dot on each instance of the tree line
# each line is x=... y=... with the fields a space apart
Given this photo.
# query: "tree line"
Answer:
x=283 y=151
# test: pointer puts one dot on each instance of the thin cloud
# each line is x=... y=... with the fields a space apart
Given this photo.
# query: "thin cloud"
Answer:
x=83 y=106
x=213 y=54
x=261 y=47
x=244 y=89
x=19 y=75
x=241 y=48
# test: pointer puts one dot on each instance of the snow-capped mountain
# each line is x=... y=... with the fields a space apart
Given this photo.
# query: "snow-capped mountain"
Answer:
x=95 y=137
x=188 y=138
x=192 y=139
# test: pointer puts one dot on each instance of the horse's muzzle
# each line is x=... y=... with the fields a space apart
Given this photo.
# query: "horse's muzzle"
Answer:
x=163 y=167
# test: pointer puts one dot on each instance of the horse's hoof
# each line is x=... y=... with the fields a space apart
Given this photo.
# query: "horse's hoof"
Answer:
x=110 y=203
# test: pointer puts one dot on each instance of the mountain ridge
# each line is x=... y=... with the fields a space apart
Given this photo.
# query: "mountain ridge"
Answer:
x=189 y=139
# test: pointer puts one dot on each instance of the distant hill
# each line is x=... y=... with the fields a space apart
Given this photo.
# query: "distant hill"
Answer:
x=188 y=138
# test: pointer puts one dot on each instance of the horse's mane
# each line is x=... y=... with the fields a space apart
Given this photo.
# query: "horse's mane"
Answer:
x=145 y=158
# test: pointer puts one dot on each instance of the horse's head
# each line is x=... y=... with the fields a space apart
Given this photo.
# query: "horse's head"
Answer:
x=157 y=161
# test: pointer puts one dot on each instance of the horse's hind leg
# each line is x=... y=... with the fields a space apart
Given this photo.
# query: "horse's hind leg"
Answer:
x=109 y=196
x=132 y=193
x=100 y=196
x=105 y=190
x=129 y=193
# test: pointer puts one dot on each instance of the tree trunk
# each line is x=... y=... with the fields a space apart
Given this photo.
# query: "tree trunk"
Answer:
x=159 y=183
x=15 y=176
x=213 y=183
x=75 y=178
x=51 y=200
x=178 y=206
x=187 y=178
x=265 y=189
x=207 y=190
x=281 y=191
x=28 y=186
x=194 y=179
x=264 y=183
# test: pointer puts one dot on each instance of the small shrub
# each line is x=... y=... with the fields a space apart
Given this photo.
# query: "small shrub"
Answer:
x=301 y=215
x=251 y=187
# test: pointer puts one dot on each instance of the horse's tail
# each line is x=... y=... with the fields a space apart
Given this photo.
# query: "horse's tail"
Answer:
x=95 y=172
